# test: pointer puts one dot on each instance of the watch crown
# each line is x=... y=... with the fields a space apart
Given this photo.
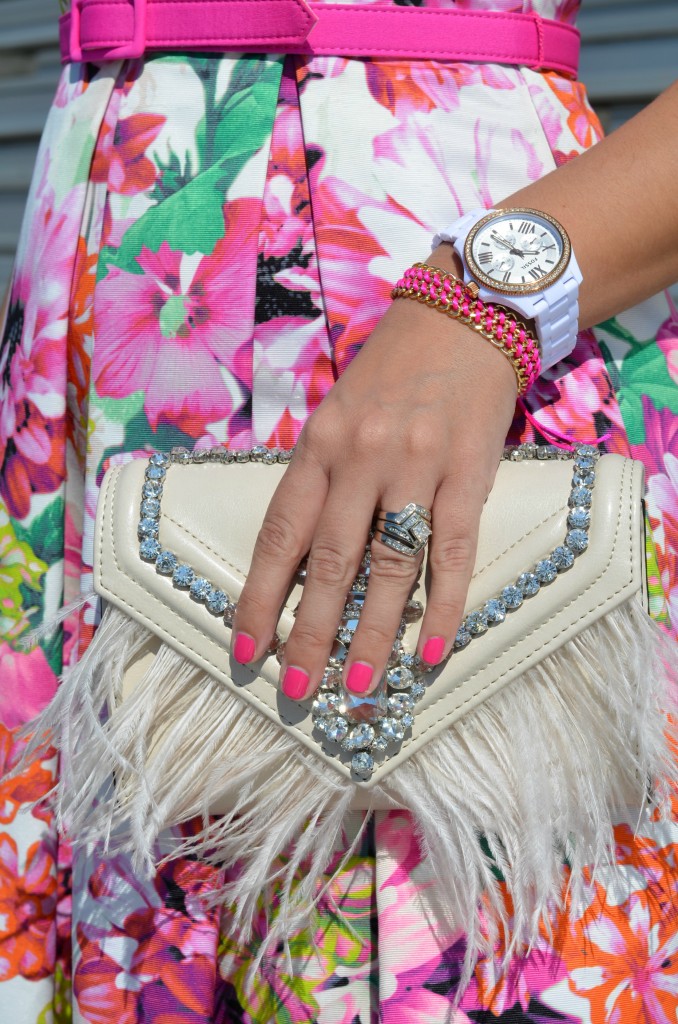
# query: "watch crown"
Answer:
x=472 y=287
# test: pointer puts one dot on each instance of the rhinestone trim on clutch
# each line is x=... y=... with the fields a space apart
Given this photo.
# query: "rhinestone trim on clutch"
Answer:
x=364 y=728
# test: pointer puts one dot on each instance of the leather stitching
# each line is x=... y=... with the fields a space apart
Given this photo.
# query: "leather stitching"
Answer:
x=213 y=551
x=154 y=626
x=565 y=629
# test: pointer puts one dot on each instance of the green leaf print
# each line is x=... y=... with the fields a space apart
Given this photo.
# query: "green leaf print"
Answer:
x=120 y=410
x=636 y=368
x=191 y=220
x=644 y=372
x=45 y=534
x=20 y=569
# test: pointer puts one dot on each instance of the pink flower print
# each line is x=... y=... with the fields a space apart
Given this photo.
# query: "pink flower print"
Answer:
x=28 y=685
x=661 y=435
x=418 y=977
x=98 y=981
x=496 y=990
x=667 y=338
x=396 y=836
x=286 y=224
x=355 y=298
x=572 y=404
x=662 y=492
x=292 y=374
x=32 y=355
x=31 y=459
x=173 y=330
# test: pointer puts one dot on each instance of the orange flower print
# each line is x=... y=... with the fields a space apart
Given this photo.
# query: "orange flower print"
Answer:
x=27 y=906
x=633 y=949
x=127 y=169
x=582 y=121
x=32 y=784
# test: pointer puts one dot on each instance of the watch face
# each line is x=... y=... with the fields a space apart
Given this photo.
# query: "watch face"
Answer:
x=517 y=251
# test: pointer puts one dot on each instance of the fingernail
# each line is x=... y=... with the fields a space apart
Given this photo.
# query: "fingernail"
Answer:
x=295 y=682
x=433 y=650
x=243 y=648
x=359 y=677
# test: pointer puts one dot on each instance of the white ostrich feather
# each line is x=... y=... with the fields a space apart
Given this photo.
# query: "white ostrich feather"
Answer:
x=542 y=770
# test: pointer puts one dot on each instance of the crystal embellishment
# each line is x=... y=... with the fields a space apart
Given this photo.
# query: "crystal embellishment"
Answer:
x=216 y=601
x=577 y=541
x=336 y=728
x=148 y=528
x=359 y=738
x=563 y=558
x=512 y=597
x=580 y=496
x=400 y=678
x=200 y=589
x=149 y=549
x=529 y=584
x=477 y=623
x=579 y=518
x=494 y=611
x=151 y=489
x=166 y=563
x=183 y=576
x=546 y=571
x=150 y=507
x=362 y=764
x=392 y=730
x=399 y=703
x=325 y=704
x=365 y=707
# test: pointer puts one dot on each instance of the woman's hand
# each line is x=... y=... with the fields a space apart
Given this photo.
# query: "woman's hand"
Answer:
x=420 y=415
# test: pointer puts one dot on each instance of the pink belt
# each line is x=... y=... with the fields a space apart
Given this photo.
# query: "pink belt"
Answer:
x=100 y=30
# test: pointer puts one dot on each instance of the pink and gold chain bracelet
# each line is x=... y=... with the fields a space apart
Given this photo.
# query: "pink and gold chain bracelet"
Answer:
x=443 y=291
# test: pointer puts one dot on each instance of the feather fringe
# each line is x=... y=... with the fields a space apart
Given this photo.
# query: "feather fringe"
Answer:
x=540 y=772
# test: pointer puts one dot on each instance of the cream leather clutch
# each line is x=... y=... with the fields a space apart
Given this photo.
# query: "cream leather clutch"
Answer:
x=544 y=723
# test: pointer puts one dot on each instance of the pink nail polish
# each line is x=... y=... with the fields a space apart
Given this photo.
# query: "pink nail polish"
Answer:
x=359 y=677
x=243 y=648
x=295 y=682
x=433 y=650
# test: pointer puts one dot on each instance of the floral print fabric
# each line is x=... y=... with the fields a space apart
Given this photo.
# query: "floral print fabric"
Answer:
x=208 y=242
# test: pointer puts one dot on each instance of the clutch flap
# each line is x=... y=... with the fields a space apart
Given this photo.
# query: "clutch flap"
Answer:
x=209 y=518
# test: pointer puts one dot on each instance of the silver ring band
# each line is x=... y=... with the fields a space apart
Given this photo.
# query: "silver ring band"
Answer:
x=407 y=531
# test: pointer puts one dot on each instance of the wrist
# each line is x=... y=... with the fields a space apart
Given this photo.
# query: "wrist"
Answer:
x=445 y=292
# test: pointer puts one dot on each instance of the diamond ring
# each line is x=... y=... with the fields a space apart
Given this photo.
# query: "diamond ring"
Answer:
x=406 y=531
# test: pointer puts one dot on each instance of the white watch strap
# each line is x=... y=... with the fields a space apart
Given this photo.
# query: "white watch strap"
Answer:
x=555 y=311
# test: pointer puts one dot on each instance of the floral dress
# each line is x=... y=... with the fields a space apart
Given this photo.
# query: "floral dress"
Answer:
x=208 y=241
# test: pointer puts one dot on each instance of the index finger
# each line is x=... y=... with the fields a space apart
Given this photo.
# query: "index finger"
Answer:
x=284 y=538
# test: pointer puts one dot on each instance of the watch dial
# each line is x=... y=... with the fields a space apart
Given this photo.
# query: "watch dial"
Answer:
x=517 y=251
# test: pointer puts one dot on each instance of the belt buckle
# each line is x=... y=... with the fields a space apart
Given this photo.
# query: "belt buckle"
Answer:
x=136 y=46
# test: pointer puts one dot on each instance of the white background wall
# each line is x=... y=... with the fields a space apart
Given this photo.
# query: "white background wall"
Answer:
x=630 y=54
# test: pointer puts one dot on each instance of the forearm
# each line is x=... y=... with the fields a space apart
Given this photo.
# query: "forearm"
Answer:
x=619 y=204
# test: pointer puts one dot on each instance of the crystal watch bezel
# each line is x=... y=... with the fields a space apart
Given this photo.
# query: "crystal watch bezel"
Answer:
x=517 y=289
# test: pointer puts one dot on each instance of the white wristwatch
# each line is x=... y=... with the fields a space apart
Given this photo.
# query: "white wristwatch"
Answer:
x=522 y=259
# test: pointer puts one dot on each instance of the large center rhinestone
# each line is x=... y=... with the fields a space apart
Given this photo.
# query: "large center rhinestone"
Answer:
x=366 y=707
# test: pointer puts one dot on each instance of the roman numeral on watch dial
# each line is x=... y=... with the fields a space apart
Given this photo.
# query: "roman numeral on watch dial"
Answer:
x=526 y=228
